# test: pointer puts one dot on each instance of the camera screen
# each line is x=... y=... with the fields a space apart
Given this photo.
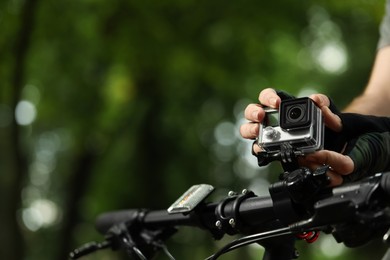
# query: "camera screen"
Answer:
x=271 y=119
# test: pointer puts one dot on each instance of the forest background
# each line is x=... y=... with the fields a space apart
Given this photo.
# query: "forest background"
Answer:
x=118 y=104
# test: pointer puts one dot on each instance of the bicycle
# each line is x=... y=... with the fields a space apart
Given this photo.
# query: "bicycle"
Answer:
x=300 y=206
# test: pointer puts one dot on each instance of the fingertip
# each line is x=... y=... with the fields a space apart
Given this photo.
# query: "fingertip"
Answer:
x=268 y=90
x=320 y=99
x=256 y=149
x=334 y=179
x=347 y=166
x=269 y=97
x=274 y=102
x=254 y=113
x=260 y=115
x=249 y=130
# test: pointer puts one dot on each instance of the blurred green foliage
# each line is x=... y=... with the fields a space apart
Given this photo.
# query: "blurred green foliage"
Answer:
x=128 y=103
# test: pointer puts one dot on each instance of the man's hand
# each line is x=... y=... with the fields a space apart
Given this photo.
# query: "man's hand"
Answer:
x=364 y=156
x=339 y=164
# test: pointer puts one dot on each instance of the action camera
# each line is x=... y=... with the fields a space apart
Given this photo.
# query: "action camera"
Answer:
x=297 y=126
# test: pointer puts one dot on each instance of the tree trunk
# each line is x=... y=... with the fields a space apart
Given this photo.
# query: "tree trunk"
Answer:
x=11 y=238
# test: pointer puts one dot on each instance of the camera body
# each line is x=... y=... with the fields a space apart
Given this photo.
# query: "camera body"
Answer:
x=297 y=128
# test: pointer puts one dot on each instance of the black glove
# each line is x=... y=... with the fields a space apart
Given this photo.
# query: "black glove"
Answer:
x=355 y=125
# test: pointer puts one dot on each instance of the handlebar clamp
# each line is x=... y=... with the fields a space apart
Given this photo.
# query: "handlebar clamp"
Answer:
x=228 y=222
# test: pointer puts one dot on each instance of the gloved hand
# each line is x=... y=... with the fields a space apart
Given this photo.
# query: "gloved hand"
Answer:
x=352 y=125
x=366 y=138
x=364 y=156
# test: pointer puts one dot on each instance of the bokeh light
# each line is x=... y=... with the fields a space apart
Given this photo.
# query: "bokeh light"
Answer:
x=25 y=113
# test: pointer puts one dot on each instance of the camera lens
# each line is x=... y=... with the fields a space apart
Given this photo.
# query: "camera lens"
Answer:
x=295 y=113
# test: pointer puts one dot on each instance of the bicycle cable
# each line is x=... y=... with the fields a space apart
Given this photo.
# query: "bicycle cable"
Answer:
x=243 y=241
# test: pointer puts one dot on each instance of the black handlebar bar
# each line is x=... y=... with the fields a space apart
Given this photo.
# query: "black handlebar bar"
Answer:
x=254 y=212
x=290 y=210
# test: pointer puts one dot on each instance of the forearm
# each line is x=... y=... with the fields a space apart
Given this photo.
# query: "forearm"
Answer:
x=375 y=100
x=368 y=104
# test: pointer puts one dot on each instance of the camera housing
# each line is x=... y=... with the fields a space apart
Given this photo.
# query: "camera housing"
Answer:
x=297 y=128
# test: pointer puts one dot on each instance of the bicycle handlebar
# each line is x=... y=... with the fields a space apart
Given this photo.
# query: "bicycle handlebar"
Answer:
x=253 y=211
x=288 y=210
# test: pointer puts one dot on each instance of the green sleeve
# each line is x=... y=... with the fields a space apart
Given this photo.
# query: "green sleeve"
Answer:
x=370 y=155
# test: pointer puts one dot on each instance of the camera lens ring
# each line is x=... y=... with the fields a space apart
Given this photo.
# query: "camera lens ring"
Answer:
x=295 y=113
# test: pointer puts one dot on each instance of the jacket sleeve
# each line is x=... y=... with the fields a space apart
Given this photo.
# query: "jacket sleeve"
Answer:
x=370 y=154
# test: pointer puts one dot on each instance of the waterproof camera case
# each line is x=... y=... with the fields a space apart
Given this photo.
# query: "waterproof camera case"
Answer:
x=295 y=129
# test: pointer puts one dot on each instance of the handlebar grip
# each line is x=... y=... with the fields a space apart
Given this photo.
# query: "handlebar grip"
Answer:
x=106 y=220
